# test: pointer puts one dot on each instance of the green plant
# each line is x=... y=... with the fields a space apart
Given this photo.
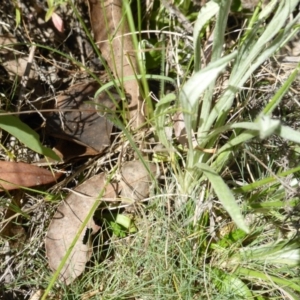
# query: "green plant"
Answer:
x=25 y=135
x=206 y=124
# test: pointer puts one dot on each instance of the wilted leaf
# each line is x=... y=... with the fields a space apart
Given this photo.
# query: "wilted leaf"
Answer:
x=80 y=122
x=136 y=180
x=13 y=175
x=67 y=222
x=71 y=213
x=110 y=27
x=58 y=22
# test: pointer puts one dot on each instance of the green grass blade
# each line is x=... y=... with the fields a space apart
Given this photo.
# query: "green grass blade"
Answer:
x=225 y=152
x=219 y=31
x=260 y=183
x=281 y=92
x=266 y=277
x=160 y=113
x=251 y=55
x=225 y=195
x=130 y=19
x=289 y=134
x=111 y=84
x=205 y=14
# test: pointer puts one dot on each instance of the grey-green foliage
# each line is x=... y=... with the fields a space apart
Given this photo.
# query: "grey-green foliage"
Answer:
x=259 y=41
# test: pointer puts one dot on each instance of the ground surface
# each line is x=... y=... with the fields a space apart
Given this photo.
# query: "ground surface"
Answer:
x=178 y=245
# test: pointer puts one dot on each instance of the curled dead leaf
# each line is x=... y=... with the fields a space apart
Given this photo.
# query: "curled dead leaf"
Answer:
x=111 y=30
x=67 y=222
x=136 y=180
x=80 y=122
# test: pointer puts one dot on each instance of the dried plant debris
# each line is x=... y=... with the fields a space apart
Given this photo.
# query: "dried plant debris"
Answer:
x=136 y=180
x=15 y=175
x=110 y=27
x=66 y=224
x=80 y=121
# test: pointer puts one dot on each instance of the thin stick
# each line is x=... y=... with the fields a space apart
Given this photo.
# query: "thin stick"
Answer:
x=25 y=77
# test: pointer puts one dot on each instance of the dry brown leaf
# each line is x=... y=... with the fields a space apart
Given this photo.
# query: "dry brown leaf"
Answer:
x=72 y=212
x=7 y=45
x=66 y=224
x=67 y=150
x=110 y=26
x=82 y=124
x=180 y=130
x=13 y=175
x=136 y=180
x=17 y=67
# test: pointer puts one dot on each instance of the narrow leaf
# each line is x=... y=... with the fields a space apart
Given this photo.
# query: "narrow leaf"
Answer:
x=49 y=13
x=281 y=92
x=18 y=16
x=284 y=282
x=288 y=133
x=197 y=84
x=160 y=118
x=15 y=175
x=225 y=195
x=206 y=13
x=111 y=84
x=25 y=135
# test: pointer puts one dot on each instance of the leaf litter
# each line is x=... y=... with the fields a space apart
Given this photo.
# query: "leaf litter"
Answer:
x=61 y=243
x=14 y=175
x=77 y=124
x=134 y=185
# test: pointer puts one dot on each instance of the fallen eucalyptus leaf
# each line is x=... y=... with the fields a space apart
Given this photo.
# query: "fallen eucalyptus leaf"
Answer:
x=15 y=175
x=111 y=30
x=64 y=230
x=66 y=224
